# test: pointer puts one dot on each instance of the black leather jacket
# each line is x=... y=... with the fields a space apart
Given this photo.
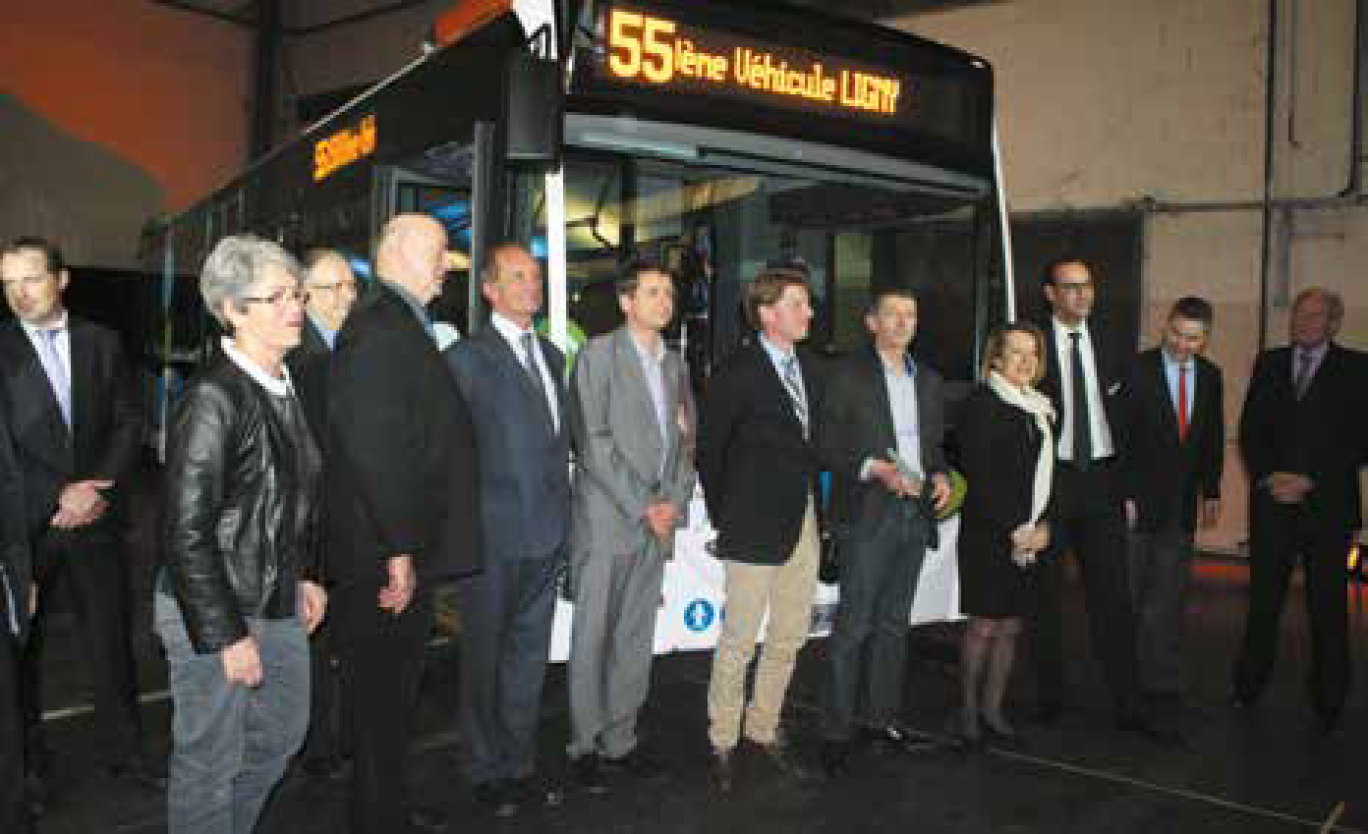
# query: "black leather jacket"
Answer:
x=242 y=495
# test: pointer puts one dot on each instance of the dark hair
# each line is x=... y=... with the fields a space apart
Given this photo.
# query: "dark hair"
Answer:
x=1193 y=308
x=877 y=296
x=635 y=267
x=997 y=343
x=313 y=257
x=1047 y=275
x=490 y=273
x=764 y=289
x=51 y=254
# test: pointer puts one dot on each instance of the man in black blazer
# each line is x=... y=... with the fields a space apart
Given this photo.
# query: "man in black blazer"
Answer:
x=1085 y=380
x=16 y=570
x=879 y=402
x=515 y=382
x=1301 y=436
x=401 y=498
x=758 y=461
x=1171 y=469
x=331 y=289
x=77 y=430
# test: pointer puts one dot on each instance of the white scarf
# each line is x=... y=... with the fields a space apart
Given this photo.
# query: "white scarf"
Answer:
x=1038 y=406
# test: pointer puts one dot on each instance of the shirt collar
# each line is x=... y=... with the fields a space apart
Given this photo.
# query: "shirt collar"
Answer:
x=776 y=354
x=1171 y=362
x=651 y=358
x=1063 y=330
x=1316 y=353
x=279 y=387
x=59 y=325
x=509 y=329
x=329 y=337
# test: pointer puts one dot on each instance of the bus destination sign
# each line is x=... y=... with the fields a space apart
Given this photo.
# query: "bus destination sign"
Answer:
x=654 y=51
x=342 y=148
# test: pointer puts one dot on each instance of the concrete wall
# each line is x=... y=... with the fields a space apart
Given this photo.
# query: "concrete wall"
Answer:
x=1105 y=103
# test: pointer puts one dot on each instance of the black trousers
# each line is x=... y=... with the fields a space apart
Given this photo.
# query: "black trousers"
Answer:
x=328 y=719
x=91 y=561
x=13 y=814
x=1278 y=535
x=1088 y=520
x=383 y=657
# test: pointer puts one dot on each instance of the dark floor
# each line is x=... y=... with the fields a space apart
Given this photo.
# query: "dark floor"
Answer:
x=1238 y=773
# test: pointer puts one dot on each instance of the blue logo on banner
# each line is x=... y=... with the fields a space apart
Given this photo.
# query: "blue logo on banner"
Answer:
x=699 y=615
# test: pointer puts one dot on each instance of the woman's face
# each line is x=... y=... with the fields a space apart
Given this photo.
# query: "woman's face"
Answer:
x=270 y=316
x=1019 y=358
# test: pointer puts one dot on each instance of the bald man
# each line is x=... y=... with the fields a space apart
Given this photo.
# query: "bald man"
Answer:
x=402 y=502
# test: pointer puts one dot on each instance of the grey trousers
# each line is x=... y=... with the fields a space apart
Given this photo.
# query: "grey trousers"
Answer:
x=230 y=743
x=616 y=599
x=1160 y=561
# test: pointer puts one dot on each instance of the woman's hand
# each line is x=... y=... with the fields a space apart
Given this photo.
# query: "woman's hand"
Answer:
x=242 y=662
x=313 y=604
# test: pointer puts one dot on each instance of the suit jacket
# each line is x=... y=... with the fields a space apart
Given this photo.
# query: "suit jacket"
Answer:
x=1319 y=436
x=857 y=424
x=401 y=451
x=757 y=468
x=1161 y=473
x=1112 y=362
x=524 y=459
x=107 y=425
x=618 y=470
x=15 y=555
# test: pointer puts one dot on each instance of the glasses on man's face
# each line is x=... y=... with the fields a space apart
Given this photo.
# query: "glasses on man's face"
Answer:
x=337 y=286
x=278 y=298
x=1073 y=286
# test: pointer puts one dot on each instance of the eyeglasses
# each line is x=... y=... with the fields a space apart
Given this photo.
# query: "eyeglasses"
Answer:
x=277 y=298
x=350 y=286
x=1077 y=286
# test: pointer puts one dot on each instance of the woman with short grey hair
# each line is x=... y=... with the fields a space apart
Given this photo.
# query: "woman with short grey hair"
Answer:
x=238 y=592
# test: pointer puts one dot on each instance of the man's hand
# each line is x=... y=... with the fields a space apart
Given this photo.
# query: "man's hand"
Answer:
x=396 y=596
x=80 y=503
x=242 y=662
x=886 y=473
x=1132 y=514
x=313 y=603
x=1210 y=512
x=661 y=517
x=940 y=490
x=1288 y=487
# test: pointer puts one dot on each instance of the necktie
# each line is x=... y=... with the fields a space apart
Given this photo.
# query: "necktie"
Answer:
x=795 y=391
x=1182 y=402
x=1304 y=376
x=1082 y=420
x=56 y=371
x=530 y=362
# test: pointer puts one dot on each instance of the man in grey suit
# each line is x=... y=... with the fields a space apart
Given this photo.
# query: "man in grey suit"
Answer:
x=514 y=383
x=635 y=434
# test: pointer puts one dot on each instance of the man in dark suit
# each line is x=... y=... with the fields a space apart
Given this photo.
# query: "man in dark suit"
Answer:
x=77 y=431
x=330 y=288
x=882 y=409
x=515 y=383
x=16 y=571
x=1301 y=438
x=758 y=461
x=1085 y=380
x=1171 y=469
x=401 y=498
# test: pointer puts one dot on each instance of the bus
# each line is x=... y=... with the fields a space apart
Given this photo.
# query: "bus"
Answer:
x=717 y=138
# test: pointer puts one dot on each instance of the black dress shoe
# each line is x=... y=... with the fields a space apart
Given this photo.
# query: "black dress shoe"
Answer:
x=1001 y=738
x=427 y=820
x=494 y=797
x=721 y=770
x=140 y=772
x=835 y=757
x=781 y=756
x=637 y=764
x=587 y=774
x=893 y=738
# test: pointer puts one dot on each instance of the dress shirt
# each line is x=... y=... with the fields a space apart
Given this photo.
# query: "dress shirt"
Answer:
x=1317 y=355
x=1102 y=446
x=1171 y=367
x=902 y=401
x=781 y=358
x=62 y=343
x=329 y=337
x=653 y=368
x=512 y=334
x=275 y=386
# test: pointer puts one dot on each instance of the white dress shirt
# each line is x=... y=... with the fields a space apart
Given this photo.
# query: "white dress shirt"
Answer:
x=513 y=335
x=1102 y=446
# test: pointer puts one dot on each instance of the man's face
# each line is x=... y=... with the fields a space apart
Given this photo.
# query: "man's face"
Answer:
x=651 y=304
x=1184 y=338
x=423 y=258
x=33 y=291
x=332 y=291
x=1071 y=293
x=787 y=319
x=1311 y=323
x=893 y=323
x=516 y=292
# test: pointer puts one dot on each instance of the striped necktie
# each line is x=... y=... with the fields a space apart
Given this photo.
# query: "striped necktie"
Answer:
x=793 y=382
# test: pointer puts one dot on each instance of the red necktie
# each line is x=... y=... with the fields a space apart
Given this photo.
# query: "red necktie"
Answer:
x=1182 y=403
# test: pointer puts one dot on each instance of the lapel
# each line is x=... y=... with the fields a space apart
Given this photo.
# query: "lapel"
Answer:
x=1157 y=380
x=883 y=410
x=769 y=376
x=629 y=367
x=1325 y=374
x=37 y=419
x=82 y=374
x=502 y=352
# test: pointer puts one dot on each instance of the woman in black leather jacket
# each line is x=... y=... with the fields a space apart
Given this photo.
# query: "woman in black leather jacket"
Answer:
x=238 y=592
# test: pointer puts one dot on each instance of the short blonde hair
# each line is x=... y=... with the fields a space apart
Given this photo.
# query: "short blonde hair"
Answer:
x=997 y=344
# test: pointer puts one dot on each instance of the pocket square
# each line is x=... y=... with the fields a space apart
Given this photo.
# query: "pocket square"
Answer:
x=1115 y=387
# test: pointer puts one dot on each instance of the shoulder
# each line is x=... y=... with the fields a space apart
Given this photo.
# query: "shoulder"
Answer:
x=219 y=386
x=1208 y=368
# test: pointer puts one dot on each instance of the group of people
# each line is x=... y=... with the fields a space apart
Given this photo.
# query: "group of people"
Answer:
x=331 y=464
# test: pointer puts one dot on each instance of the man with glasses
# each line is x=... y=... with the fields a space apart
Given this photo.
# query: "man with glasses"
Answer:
x=1084 y=377
x=77 y=431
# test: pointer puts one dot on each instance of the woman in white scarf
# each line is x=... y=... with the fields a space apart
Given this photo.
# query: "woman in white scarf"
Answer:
x=1006 y=442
